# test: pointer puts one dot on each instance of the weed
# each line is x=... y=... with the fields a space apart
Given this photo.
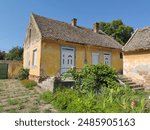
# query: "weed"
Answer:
x=30 y=84
x=1 y=108
x=13 y=101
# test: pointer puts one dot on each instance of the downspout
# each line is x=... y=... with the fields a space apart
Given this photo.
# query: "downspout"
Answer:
x=85 y=58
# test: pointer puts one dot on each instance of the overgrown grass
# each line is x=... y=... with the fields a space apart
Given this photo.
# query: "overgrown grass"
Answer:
x=13 y=101
x=30 y=84
x=117 y=100
x=1 y=108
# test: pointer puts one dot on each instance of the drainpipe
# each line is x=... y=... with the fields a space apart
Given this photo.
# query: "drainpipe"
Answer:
x=85 y=58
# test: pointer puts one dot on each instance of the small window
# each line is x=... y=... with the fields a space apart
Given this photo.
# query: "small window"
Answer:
x=34 y=62
x=27 y=59
x=29 y=36
x=121 y=56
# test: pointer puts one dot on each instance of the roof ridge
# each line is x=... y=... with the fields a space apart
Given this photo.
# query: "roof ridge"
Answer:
x=32 y=15
x=123 y=48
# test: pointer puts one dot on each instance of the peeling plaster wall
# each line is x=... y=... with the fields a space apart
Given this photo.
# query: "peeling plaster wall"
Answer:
x=136 y=65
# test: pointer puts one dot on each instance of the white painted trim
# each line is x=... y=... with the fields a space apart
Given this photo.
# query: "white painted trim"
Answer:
x=98 y=56
x=110 y=57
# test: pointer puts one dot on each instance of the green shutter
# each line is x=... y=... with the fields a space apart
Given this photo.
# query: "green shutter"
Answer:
x=3 y=71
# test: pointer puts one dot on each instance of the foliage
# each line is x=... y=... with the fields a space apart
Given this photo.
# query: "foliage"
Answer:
x=47 y=96
x=16 y=53
x=110 y=100
x=117 y=30
x=2 y=55
x=93 y=77
x=1 y=108
x=30 y=84
x=13 y=101
x=23 y=74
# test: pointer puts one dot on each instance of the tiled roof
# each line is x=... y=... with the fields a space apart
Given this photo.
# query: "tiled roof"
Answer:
x=57 y=30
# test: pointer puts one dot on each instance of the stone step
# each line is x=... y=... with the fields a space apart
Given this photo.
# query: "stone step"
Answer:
x=138 y=88
x=135 y=86
x=20 y=98
x=126 y=80
x=15 y=95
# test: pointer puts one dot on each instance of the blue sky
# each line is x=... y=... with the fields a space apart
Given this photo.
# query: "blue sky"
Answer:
x=14 y=15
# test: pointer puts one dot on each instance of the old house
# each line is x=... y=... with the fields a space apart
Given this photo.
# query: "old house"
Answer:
x=136 y=57
x=52 y=46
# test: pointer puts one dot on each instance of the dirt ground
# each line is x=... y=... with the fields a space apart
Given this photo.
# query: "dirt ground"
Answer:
x=15 y=98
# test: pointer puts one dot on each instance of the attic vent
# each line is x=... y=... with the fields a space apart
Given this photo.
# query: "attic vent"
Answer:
x=74 y=22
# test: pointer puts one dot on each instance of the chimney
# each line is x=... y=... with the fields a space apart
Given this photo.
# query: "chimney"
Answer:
x=74 y=22
x=96 y=27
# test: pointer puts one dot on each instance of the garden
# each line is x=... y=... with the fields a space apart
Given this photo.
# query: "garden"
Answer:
x=97 y=90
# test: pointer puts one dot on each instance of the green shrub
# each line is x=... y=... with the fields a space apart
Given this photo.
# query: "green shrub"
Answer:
x=30 y=84
x=23 y=74
x=109 y=100
x=47 y=96
x=93 y=77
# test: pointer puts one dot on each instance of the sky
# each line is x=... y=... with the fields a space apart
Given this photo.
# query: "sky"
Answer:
x=15 y=14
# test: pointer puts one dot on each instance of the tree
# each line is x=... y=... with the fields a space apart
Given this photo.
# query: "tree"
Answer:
x=2 y=55
x=16 y=53
x=117 y=29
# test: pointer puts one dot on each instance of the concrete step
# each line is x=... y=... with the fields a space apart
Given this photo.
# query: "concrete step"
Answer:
x=138 y=88
x=126 y=80
x=135 y=86
x=20 y=98
x=15 y=95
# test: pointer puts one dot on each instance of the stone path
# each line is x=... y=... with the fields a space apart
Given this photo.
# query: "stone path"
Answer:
x=14 y=97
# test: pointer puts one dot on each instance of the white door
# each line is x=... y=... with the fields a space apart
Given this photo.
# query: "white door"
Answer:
x=95 y=58
x=107 y=59
x=67 y=58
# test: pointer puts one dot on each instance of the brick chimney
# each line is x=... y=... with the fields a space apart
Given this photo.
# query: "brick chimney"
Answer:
x=74 y=22
x=96 y=27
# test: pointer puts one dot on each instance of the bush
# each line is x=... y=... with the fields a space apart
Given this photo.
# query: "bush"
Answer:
x=30 y=84
x=23 y=74
x=93 y=77
x=110 y=100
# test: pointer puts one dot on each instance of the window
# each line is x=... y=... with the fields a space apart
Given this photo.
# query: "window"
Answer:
x=107 y=59
x=28 y=59
x=34 y=62
x=29 y=35
x=95 y=58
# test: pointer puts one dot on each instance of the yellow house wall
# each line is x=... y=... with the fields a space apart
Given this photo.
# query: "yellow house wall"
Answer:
x=50 y=56
x=136 y=65
x=34 y=70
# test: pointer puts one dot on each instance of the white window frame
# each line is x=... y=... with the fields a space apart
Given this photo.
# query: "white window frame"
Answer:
x=34 y=58
x=96 y=53
x=28 y=59
x=108 y=53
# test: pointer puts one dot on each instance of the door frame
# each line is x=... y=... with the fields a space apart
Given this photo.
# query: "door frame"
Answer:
x=108 y=53
x=67 y=47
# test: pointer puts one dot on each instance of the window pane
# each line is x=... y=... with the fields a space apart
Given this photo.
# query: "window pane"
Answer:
x=34 y=57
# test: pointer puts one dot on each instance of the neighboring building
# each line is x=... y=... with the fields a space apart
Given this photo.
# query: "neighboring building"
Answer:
x=52 y=46
x=9 y=69
x=136 y=57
